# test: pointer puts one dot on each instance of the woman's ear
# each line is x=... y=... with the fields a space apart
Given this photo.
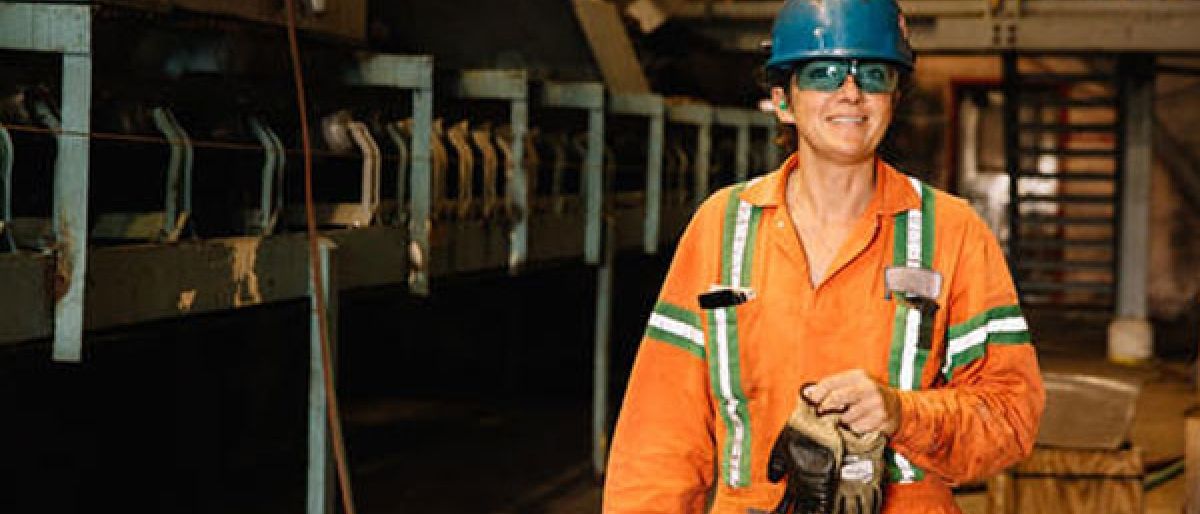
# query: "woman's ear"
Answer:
x=783 y=108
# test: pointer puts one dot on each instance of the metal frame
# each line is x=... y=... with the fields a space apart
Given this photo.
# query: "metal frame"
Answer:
x=320 y=493
x=739 y=119
x=770 y=124
x=587 y=96
x=7 y=243
x=511 y=86
x=413 y=72
x=271 y=193
x=64 y=29
x=650 y=106
x=168 y=224
x=700 y=116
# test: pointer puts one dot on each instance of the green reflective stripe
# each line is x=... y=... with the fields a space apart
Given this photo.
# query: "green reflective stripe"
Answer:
x=899 y=254
x=913 y=246
x=968 y=341
x=678 y=313
x=981 y=319
x=751 y=236
x=676 y=326
x=741 y=224
x=927 y=227
x=897 y=351
x=675 y=340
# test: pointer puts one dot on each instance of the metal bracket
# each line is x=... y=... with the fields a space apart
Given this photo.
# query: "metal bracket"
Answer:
x=739 y=119
x=6 y=163
x=701 y=117
x=482 y=137
x=398 y=132
x=271 y=192
x=649 y=106
x=511 y=86
x=413 y=72
x=588 y=96
x=178 y=204
x=371 y=168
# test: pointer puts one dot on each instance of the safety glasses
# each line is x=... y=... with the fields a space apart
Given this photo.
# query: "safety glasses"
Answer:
x=828 y=75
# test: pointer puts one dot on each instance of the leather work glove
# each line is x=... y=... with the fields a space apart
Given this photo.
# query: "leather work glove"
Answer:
x=808 y=452
x=860 y=486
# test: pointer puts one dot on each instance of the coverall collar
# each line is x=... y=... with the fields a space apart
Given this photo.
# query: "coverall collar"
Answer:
x=893 y=194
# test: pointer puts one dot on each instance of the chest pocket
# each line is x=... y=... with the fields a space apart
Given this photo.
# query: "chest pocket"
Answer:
x=740 y=231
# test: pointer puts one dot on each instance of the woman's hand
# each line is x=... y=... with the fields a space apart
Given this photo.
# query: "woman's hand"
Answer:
x=866 y=405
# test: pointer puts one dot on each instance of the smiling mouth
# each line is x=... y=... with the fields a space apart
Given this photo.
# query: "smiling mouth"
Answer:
x=847 y=119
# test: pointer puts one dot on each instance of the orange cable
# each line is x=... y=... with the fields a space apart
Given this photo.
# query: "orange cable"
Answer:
x=335 y=425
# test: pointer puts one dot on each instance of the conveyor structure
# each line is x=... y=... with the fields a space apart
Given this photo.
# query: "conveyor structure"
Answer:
x=182 y=195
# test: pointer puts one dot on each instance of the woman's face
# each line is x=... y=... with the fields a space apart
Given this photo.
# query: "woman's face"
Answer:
x=843 y=126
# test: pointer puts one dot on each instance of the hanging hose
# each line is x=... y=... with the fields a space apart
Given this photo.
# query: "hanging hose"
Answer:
x=314 y=259
x=1164 y=475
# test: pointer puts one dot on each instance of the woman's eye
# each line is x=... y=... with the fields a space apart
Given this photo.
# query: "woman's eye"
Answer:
x=822 y=72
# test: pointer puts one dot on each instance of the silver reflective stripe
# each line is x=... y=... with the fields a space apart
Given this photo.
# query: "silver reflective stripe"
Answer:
x=908 y=379
x=974 y=338
x=912 y=331
x=730 y=401
x=739 y=243
x=677 y=328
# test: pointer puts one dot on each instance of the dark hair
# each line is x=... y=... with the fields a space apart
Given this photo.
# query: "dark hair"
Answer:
x=781 y=76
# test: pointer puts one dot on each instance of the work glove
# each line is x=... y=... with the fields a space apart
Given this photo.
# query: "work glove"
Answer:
x=808 y=452
x=860 y=486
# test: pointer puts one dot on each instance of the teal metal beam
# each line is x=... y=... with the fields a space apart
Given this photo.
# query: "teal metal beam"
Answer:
x=320 y=463
x=511 y=86
x=651 y=107
x=701 y=117
x=38 y=27
x=64 y=29
x=587 y=96
x=413 y=72
x=71 y=194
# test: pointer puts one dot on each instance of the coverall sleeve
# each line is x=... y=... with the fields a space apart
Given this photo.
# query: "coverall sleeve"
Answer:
x=662 y=454
x=985 y=417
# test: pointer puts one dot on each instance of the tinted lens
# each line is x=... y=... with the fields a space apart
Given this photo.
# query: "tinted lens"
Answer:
x=877 y=77
x=822 y=75
x=827 y=76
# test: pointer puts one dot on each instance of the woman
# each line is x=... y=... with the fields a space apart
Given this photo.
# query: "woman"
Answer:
x=891 y=298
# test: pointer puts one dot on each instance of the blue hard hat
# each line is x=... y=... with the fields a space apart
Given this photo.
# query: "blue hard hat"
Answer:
x=857 y=29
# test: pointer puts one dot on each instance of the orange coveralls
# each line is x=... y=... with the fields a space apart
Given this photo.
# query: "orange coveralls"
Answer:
x=707 y=397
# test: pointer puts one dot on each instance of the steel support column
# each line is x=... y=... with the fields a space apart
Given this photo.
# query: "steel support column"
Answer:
x=320 y=463
x=64 y=29
x=1130 y=336
x=600 y=371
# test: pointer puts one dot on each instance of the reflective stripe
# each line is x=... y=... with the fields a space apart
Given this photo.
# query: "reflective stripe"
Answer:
x=739 y=234
x=913 y=248
x=909 y=378
x=741 y=227
x=679 y=333
x=968 y=341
